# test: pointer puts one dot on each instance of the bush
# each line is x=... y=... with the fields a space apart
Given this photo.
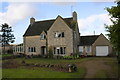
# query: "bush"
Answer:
x=23 y=62
x=73 y=56
x=50 y=54
x=112 y=55
x=28 y=56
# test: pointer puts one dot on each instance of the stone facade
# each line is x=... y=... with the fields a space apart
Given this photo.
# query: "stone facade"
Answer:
x=65 y=44
x=101 y=41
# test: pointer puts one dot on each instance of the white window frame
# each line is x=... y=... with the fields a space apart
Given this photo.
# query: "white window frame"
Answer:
x=81 y=49
x=42 y=36
x=31 y=49
x=59 y=48
x=88 y=49
x=58 y=34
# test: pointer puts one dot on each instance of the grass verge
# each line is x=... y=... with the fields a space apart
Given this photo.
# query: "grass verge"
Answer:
x=41 y=73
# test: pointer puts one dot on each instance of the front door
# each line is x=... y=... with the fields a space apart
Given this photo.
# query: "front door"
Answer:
x=43 y=50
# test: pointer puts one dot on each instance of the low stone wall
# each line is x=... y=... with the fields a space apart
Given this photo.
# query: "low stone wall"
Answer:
x=58 y=67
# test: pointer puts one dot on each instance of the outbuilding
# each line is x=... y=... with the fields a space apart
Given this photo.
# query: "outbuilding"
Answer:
x=95 y=45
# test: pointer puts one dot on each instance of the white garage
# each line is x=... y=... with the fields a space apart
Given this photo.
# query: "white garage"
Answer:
x=102 y=50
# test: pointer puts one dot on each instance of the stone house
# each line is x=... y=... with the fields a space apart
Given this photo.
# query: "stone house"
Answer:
x=97 y=45
x=61 y=35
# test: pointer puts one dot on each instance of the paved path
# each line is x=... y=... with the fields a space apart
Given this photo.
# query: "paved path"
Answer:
x=93 y=66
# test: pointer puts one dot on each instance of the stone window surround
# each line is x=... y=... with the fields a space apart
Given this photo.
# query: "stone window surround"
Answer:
x=42 y=37
x=59 y=50
x=31 y=49
x=59 y=34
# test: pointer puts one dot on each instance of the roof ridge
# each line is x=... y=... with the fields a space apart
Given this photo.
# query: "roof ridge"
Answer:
x=39 y=26
x=51 y=19
x=90 y=35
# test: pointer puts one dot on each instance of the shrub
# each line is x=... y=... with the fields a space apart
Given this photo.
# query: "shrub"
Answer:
x=28 y=56
x=50 y=54
x=73 y=56
x=23 y=62
x=112 y=55
x=59 y=57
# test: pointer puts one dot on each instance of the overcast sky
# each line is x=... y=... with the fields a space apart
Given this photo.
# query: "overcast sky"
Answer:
x=91 y=15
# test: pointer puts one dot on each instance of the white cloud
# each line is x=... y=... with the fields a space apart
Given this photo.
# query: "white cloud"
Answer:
x=17 y=12
x=94 y=23
x=93 y=20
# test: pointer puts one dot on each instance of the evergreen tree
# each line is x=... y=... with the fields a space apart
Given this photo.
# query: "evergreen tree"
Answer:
x=6 y=36
x=114 y=30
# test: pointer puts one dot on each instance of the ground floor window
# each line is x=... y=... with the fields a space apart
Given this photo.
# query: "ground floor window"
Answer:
x=31 y=49
x=85 y=48
x=18 y=49
x=59 y=50
x=88 y=49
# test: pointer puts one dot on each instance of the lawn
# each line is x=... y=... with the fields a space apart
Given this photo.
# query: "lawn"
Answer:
x=40 y=72
x=34 y=72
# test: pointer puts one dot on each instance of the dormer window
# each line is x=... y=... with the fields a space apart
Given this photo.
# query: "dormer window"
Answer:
x=59 y=34
x=42 y=36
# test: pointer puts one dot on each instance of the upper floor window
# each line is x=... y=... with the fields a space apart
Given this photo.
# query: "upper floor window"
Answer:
x=42 y=36
x=59 y=34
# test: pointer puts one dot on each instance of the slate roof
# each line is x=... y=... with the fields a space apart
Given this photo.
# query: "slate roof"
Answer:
x=88 y=40
x=39 y=26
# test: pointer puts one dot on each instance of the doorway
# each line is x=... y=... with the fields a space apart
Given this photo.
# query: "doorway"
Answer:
x=43 y=50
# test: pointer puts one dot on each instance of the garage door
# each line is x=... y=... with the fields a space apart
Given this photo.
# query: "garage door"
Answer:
x=101 y=50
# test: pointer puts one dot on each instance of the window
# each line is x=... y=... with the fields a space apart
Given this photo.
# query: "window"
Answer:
x=31 y=49
x=42 y=36
x=34 y=49
x=80 y=49
x=54 y=50
x=62 y=34
x=20 y=49
x=88 y=49
x=59 y=34
x=59 y=50
x=64 y=50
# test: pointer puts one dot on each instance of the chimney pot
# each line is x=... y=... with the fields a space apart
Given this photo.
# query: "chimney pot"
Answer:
x=74 y=16
x=32 y=20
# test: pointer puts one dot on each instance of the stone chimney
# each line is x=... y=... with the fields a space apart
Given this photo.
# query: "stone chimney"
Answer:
x=32 y=20
x=74 y=16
